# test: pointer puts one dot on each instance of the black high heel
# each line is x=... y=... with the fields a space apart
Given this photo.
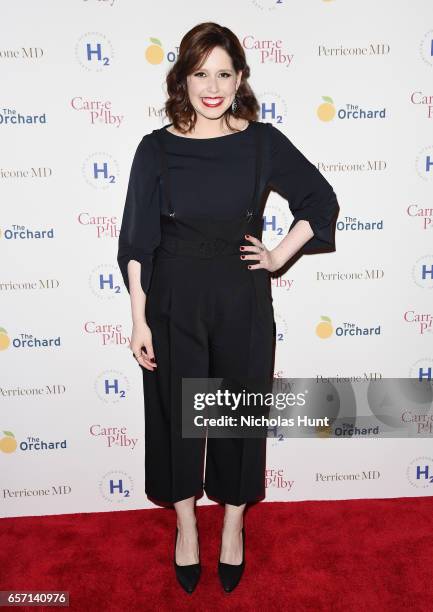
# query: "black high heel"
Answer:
x=187 y=575
x=231 y=574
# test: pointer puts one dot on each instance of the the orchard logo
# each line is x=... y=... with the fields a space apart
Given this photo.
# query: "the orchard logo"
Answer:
x=94 y=52
x=21 y=232
x=100 y=170
x=109 y=334
x=355 y=224
x=154 y=53
x=103 y=226
x=269 y=50
x=323 y=431
x=8 y=443
x=327 y=111
x=272 y=107
x=13 y=117
x=99 y=112
x=26 y=340
x=325 y=329
x=4 y=339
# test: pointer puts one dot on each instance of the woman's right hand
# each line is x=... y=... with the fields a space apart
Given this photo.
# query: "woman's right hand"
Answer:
x=141 y=338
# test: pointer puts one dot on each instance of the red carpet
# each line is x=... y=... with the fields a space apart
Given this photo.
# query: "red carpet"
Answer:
x=334 y=555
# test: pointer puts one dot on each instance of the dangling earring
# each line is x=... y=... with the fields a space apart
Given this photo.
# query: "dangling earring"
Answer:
x=234 y=104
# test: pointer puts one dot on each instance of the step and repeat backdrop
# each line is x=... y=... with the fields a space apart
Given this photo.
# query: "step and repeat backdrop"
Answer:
x=351 y=84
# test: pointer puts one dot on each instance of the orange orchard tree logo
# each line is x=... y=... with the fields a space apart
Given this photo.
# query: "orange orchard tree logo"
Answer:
x=4 y=339
x=154 y=53
x=324 y=329
x=8 y=444
x=323 y=431
x=326 y=110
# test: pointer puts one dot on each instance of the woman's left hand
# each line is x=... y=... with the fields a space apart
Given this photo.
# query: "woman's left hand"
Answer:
x=269 y=260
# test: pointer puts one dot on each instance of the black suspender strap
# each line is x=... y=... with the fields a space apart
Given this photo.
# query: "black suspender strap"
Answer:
x=258 y=136
x=165 y=182
x=164 y=179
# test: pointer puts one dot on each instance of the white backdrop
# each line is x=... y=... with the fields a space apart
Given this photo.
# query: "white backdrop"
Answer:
x=67 y=376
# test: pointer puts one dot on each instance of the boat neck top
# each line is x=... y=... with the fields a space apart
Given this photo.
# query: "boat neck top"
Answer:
x=206 y=139
x=214 y=177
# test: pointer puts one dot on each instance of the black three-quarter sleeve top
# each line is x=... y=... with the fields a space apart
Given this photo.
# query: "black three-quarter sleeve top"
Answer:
x=215 y=177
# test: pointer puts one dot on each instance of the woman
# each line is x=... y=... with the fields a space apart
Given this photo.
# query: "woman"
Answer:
x=198 y=275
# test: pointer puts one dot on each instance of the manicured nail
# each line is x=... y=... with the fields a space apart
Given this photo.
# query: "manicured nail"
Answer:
x=247 y=235
x=152 y=359
x=249 y=267
x=241 y=248
x=242 y=256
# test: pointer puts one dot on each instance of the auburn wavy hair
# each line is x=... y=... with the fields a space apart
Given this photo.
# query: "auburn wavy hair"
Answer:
x=194 y=49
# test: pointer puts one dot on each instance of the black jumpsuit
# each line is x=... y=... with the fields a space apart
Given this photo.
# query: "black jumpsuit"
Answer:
x=189 y=205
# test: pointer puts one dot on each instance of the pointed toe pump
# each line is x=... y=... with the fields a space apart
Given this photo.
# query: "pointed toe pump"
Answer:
x=229 y=574
x=187 y=575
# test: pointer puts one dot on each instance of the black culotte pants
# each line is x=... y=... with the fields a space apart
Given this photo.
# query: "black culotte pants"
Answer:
x=208 y=318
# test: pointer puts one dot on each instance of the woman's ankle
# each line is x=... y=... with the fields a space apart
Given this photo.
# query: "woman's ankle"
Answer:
x=187 y=525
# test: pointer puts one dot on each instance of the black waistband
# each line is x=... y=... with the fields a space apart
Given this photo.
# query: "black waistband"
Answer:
x=199 y=248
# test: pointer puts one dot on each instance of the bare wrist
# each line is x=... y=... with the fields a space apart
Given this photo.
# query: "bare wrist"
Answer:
x=278 y=256
x=139 y=322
